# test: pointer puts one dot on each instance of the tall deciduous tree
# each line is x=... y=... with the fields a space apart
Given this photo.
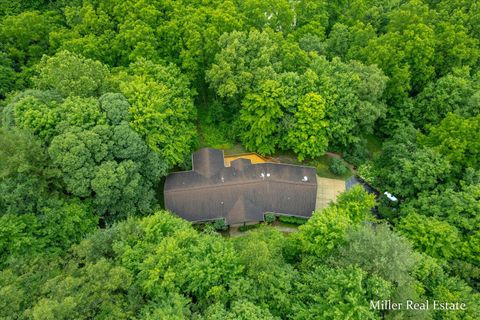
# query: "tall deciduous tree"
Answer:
x=260 y=115
x=308 y=134
x=162 y=110
x=70 y=74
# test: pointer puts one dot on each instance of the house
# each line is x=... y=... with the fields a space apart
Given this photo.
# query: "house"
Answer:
x=241 y=192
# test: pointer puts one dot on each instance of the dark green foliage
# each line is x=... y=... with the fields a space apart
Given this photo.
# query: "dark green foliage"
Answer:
x=270 y=217
x=24 y=172
x=292 y=220
x=220 y=225
x=338 y=167
x=357 y=154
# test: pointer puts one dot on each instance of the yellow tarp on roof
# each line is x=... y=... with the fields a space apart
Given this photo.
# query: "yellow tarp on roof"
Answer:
x=253 y=157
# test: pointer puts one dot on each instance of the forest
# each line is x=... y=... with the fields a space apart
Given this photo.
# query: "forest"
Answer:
x=101 y=99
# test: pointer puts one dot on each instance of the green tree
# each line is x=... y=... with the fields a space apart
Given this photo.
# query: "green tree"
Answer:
x=240 y=310
x=244 y=61
x=323 y=232
x=97 y=290
x=307 y=136
x=162 y=110
x=267 y=279
x=24 y=38
x=357 y=203
x=423 y=170
x=458 y=139
x=260 y=115
x=380 y=251
x=352 y=93
x=332 y=293
x=71 y=74
x=452 y=93
x=430 y=235
x=8 y=76
x=24 y=173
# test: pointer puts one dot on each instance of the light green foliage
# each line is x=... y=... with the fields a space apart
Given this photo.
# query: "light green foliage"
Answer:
x=267 y=279
x=192 y=35
x=277 y=15
x=245 y=60
x=240 y=310
x=327 y=229
x=62 y=223
x=353 y=98
x=16 y=235
x=162 y=111
x=24 y=38
x=455 y=47
x=458 y=139
x=406 y=52
x=346 y=41
x=53 y=227
x=323 y=232
x=351 y=92
x=259 y=115
x=307 y=136
x=71 y=74
x=334 y=293
x=118 y=34
x=432 y=236
x=93 y=291
x=357 y=203
x=34 y=110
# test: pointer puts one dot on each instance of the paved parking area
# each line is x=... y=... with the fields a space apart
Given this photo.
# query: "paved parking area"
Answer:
x=327 y=191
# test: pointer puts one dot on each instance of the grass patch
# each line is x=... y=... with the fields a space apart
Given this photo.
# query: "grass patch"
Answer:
x=248 y=227
x=322 y=164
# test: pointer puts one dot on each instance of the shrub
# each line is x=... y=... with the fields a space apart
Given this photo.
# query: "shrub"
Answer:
x=292 y=220
x=338 y=167
x=220 y=225
x=269 y=217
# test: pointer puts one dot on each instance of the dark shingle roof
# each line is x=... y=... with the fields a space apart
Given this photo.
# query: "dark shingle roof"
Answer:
x=240 y=193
